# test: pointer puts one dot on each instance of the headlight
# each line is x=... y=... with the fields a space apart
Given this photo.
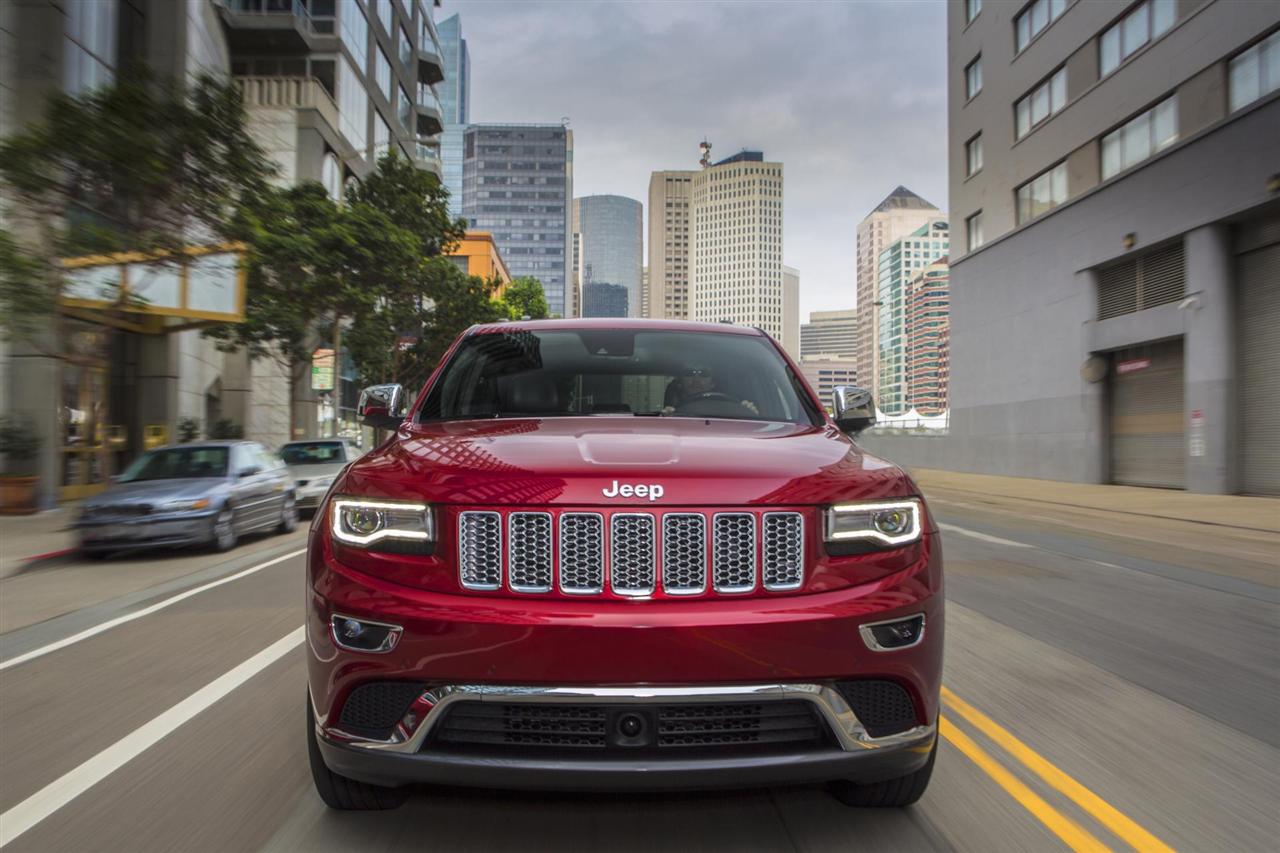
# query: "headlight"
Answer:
x=185 y=506
x=883 y=523
x=383 y=525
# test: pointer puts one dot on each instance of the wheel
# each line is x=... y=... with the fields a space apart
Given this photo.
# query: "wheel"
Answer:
x=95 y=555
x=224 y=530
x=339 y=792
x=288 y=515
x=891 y=793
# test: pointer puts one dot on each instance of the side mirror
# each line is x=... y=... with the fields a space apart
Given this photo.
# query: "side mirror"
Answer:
x=854 y=409
x=249 y=471
x=382 y=406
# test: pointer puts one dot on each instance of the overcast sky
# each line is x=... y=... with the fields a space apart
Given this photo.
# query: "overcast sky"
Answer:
x=849 y=96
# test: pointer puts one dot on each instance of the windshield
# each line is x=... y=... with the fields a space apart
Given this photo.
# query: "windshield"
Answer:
x=178 y=463
x=313 y=453
x=617 y=372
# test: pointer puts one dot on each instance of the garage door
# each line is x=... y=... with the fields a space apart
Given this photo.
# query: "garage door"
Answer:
x=1259 y=371
x=1147 y=442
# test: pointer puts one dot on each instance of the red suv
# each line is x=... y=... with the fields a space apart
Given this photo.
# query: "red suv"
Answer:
x=621 y=554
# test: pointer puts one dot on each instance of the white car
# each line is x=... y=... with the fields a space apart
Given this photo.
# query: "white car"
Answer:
x=314 y=464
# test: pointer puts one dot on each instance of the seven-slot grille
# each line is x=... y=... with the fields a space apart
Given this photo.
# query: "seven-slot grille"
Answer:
x=679 y=552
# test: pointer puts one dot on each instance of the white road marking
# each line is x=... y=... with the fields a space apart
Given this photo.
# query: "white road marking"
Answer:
x=73 y=783
x=146 y=611
x=994 y=540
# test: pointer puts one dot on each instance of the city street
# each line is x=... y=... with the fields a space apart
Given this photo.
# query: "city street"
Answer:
x=1110 y=682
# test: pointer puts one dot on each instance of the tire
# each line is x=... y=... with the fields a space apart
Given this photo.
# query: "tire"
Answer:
x=94 y=554
x=341 y=793
x=891 y=793
x=224 y=536
x=288 y=515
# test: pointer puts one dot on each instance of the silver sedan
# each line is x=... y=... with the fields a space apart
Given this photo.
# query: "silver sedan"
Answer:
x=314 y=465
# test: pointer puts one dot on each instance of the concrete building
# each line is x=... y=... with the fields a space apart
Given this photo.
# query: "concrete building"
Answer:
x=644 y=292
x=830 y=333
x=928 y=339
x=602 y=299
x=517 y=183
x=901 y=212
x=899 y=265
x=608 y=239
x=736 y=261
x=1115 y=298
x=477 y=254
x=824 y=372
x=790 y=339
x=455 y=103
x=669 y=195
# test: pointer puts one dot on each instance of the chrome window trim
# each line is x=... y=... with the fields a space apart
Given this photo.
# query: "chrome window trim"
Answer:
x=781 y=587
x=598 y=590
x=653 y=555
x=551 y=552
x=755 y=555
x=872 y=643
x=462 y=516
x=706 y=553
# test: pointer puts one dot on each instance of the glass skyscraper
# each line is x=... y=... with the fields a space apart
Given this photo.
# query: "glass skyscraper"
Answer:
x=455 y=99
x=609 y=231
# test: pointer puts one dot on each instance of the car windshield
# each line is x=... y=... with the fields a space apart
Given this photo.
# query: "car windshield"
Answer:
x=178 y=463
x=313 y=453
x=551 y=373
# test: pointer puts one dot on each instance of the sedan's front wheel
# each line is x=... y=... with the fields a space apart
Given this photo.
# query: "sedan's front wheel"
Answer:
x=224 y=530
x=288 y=515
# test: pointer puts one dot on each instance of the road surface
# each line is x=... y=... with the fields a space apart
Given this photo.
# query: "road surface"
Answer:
x=1111 y=682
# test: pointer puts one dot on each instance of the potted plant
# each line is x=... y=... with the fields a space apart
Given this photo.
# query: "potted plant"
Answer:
x=19 y=445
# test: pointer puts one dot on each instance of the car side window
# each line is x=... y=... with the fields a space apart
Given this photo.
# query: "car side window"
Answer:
x=267 y=460
x=242 y=458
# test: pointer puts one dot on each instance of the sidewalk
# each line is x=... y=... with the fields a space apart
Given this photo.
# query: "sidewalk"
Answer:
x=25 y=536
x=1251 y=513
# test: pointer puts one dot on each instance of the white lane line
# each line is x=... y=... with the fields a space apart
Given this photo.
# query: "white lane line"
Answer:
x=994 y=540
x=146 y=611
x=73 y=783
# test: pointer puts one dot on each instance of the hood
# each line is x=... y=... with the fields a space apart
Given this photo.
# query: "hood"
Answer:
x=586 y=461
x=155 y=491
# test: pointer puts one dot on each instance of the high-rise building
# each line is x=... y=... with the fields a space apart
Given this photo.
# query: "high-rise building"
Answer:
x=928 y=339
x=899 y=265
x=669 y=195
x=455 y=103
x=644 y=292
x=825 y=372
x=901 y=212
x=608 y=236
x=517 y=184
x=601 y=299
x=737 y=243
x=830 y=333
x=790 y=338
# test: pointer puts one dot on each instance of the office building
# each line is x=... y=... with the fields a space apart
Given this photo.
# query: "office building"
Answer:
x=830 y=333
x=901 y=212
x=736 y=260
x=644 y=292
x=898 y=266
x=602 y=299
x=455 y=104
x=825 y=372
x=669 y=195
x=790 y=338
x=517 y=184
x=928 y=339
x=477 y=254
x=608 y=236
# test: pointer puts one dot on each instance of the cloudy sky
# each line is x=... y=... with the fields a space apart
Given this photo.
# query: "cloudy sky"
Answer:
x=848 y=94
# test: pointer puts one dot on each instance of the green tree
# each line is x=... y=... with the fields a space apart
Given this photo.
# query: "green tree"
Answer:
x=524 y=297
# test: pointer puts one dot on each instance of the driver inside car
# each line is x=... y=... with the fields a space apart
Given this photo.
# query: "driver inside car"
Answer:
x=696 y=381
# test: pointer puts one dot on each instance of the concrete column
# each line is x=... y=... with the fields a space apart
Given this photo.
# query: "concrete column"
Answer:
x=1209 y=341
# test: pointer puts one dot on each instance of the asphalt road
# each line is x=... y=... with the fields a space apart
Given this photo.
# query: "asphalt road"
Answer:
x=1111 y=681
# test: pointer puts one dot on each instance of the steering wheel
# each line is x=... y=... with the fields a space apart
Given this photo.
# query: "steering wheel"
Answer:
x=708 y=395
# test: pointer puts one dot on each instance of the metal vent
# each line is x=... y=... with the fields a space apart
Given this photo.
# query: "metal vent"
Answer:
x=684 y=553
x=883 y=707
x=782 y=558
x=480 y=550
x=631 y=553
x=1156 y=278
x=1118 y=290
x=582 y=553
x=373 y=709
x=733 y=552
x=529 y=551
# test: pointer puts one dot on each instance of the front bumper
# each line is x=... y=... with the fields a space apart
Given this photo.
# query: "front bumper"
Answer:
x=145 y=532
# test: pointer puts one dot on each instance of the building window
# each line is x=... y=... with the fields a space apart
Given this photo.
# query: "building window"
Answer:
x=405 y=110
x=973 y=155
x=354 y=29
x=1042 y=193
x=381 y=135
x=386 y=16
x=89 y=54
x=1040 y=103
x=973 y=77
x=971 y=10
x=331 y=176
x=1255 y=73
x=1140 y=137
x=406 y=49
x=382 y=71
x=353 y=106
x=1032 y=20
x=973 y=230
x=1144 y=22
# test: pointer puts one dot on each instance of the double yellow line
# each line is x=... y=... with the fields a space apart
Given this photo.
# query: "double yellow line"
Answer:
x=1072 y=834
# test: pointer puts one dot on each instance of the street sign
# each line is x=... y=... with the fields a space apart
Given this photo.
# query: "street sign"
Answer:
x=1133 y=365
x=322 y=370
x=406 y=342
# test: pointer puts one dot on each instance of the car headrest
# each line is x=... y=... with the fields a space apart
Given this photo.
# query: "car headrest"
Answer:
x=528 y=394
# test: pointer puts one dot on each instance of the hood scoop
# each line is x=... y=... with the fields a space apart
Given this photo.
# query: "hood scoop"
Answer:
x=618 y=451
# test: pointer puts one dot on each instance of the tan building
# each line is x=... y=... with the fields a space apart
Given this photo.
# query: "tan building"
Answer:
x=477 y=254
x=901 y=213
x=825 y=372
x=790 y=339
x=830 y=333
x=668 y=284
x=737 y=243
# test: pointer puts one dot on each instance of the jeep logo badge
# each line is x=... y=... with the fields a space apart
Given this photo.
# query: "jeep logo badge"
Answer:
x=652 y=491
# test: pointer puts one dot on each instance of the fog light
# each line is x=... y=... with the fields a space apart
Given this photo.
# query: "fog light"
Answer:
x=361 y=635
x=893 y=634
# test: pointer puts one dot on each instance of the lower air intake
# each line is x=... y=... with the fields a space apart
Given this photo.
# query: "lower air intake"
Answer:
x=883 y=707
x=373 y=709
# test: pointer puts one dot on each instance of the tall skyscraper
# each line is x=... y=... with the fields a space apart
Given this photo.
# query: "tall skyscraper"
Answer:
x=899 y=265
x=830 y=333
x=737 y=243
x=608 y=238
x=898 y=215
x=669 y=194
x=601 y=299
x=517 y=184
x=455 y=102
x=790 y=338
x=928 y=339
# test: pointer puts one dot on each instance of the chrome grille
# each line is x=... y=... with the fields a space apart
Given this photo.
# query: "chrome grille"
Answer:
x=480 y=550
x=684 y=553
x=733 y=552
x=631 y=553
x=782 y=550
x=582 y=553
x=529 y=551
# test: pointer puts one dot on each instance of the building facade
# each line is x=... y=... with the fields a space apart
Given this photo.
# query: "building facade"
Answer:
x=901 y=212
x=455 y=103
x=608 y=238
x=830 y=333
x=602 y=299
x=669 y=196
x=898 y=266
x=736 y=260
x=517 y=184
x=825 y=372
x=790 y=339
x=477 y=254
x=928 y=339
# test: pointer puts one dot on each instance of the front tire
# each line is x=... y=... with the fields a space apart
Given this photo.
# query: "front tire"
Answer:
x=890 y=793
x=224 y=530
x=288 y=515
x=341 y=793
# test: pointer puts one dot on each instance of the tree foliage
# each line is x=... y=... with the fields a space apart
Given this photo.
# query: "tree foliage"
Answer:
x=524 y=297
